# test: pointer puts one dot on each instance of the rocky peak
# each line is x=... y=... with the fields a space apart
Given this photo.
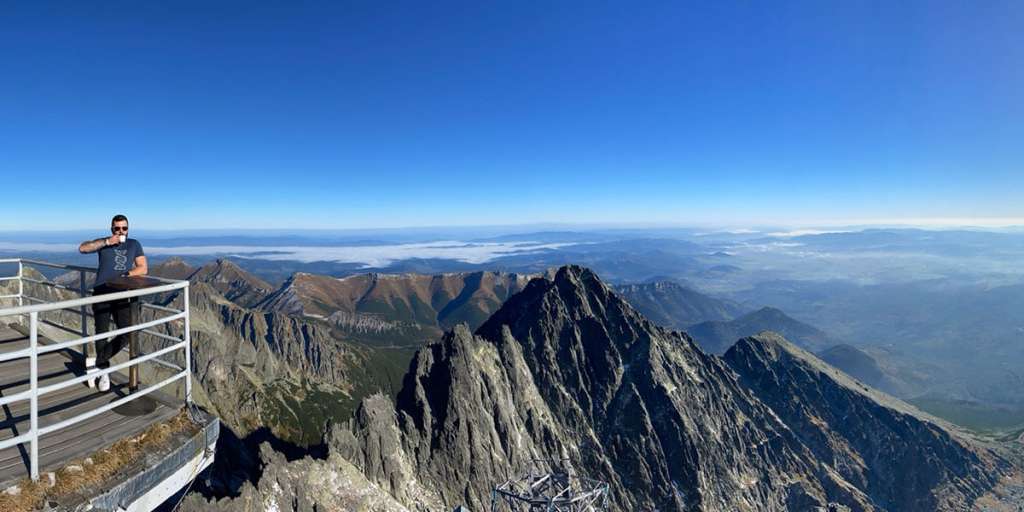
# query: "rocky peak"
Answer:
x=567 y=364
x=900 y=457
x=574 y=294
x=173 y=268
x=232 y=282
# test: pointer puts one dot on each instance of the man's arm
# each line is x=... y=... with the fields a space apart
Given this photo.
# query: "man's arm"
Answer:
x=141 y=268
x=95 y=245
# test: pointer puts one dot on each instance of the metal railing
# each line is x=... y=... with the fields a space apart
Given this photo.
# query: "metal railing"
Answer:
x=32 y=311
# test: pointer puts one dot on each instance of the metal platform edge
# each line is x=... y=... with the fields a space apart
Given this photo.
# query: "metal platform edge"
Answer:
x=149 y=489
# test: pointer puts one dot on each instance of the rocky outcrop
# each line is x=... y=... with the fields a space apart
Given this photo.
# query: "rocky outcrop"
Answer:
x=302 y=485
x=231 y=281
x=262 y=369
x=566 y=364
x=901 y=458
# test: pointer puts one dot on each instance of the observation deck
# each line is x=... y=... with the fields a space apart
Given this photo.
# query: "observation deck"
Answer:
x=58 y=435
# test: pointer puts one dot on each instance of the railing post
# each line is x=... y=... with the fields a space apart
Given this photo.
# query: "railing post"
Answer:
x=81 y=311
x=188 y=349
x=21 y=284
x=34 y=400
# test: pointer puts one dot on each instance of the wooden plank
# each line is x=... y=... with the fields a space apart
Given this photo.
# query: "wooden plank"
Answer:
x=11 y=340
x=14 y=376
x=77 y=441
x=86 y=437
x=53 y=410
x=69 y=440
x=83 y=440
x=58 y=411
x=51 y=378
x=117 y=377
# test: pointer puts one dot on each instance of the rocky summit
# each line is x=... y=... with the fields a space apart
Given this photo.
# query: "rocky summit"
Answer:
x=568 y=364
x=567 y=367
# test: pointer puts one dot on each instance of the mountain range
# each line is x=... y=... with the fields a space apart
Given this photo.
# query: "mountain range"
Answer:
x=566 y=366
x=400 y=303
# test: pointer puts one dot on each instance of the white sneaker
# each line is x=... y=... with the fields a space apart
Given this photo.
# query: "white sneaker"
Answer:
x=90 y=367
x=104 y=384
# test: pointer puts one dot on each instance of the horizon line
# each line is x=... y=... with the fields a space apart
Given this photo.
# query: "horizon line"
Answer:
x=896 y=223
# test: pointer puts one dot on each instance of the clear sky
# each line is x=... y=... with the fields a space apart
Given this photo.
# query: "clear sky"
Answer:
x=386 y=114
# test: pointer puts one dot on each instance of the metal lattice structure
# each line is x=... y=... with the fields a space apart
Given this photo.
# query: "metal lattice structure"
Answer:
x=550 y=490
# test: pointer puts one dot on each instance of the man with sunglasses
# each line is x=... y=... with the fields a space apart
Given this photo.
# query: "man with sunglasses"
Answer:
x=118 y=256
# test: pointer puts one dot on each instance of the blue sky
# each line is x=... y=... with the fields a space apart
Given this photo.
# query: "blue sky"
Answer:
x=373 y=114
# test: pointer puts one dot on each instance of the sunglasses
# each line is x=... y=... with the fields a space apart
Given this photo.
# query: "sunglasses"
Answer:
x=119 y=228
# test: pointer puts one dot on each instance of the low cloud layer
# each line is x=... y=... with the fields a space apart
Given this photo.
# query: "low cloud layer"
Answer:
x=369 y=256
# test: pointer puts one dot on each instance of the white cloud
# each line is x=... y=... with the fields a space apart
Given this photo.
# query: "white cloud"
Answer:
x=370 y=256
x=802 y=232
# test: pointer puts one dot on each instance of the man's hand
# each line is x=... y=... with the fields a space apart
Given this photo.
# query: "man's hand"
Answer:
x=97 y=244
x=141 y=267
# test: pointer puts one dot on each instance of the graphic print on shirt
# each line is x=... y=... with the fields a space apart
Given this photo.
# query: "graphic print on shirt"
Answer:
x=120 y=259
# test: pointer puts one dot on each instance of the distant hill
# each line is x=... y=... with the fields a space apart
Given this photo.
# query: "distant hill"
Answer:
x=172 y=268
x=855 y=362
x=397 y=307
x=717 y=336
x=223 y=275
x=675 y=306
x=879 y=368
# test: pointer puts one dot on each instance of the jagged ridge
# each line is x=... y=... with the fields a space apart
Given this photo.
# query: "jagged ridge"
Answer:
x=900 y=457
x=566 y=363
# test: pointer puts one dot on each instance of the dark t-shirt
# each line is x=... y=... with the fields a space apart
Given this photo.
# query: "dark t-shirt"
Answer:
x=117 y=259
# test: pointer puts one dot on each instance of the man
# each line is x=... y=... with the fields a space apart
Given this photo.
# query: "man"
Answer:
x=118 y=256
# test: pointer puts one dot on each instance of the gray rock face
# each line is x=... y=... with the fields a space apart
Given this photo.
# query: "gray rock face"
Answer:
x=305 y=485
x=567 y=364
x=900 y=458
x=229 y=280
x=261 y=369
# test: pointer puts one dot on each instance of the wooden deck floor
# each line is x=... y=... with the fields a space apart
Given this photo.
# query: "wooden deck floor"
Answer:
x=75 y=442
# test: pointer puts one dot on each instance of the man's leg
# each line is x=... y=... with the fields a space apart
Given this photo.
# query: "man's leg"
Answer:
x=120 y=310
x=122 y=313
x=101 y=319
